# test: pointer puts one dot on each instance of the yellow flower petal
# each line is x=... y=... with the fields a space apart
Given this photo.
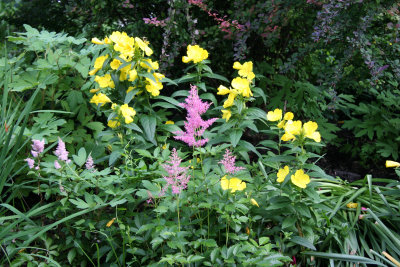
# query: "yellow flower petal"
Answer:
x=392 y=164
x=275 y=115
x=254 y=202
x=110 y=222
x=288 y=116
x=352 y=205
x=300 y=179
x=169 y=122
x=282 y=173
x=226 y=114
x=222 y=90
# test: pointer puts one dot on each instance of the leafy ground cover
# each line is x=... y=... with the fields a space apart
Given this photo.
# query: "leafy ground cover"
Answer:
x=116 y=152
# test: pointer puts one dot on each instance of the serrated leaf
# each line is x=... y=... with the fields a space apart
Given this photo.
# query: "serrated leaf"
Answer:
x=71 y=255
x=235 y=136
x=149 y=127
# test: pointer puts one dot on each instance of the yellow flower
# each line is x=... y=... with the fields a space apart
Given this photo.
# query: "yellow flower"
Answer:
x=97 y=41
x=234 y=184
x=149 y=64
x=392 y=164
x=222 y=90
x=282 y=173
x=226 y=114
x=169 y=122
x=93 y=72
x=153 y=87
x=115 y=64
x=254 y=202
x=310 y=131
x=128 y=113
x=300 y=179
x=98 y=63
x=113 y=123
x=100 y=99
x=130 y=88
x=245 y=70
x=292 y=128
x=164 y=146
x=275 y=115
x=105 y=81
x=94 y=90
x=243 y=86
x=124 y=73
x=110 y=222
x=132 y=75
x=352 y=205
x=281 y=124
x=143 y=46
x=288 y=116
x=195 y=53
x=230 y=100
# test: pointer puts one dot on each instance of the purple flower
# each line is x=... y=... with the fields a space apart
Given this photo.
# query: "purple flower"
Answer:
x=194 y=124
x=30 y=162
x=61 y=152
x=177 y=177
x=57 y=165
x=89 y=163
x=229 y=163
x=37 y=147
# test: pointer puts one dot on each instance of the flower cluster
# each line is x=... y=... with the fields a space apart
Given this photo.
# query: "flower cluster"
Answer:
x=177 y=177
x=62 y=154
x=195 y=126
x=195 y=53
x=234 y=184
x=240 y=86
x=229 y=163
x=125 y=63
x=294 y=129
x=37 y=148
x=299 y=178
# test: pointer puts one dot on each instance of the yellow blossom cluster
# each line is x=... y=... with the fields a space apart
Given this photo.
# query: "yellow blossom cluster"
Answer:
x=239 y=86
x=195 y=53
x=294 y=129
x=299 y=178
x=234 y=184
x=125 y=59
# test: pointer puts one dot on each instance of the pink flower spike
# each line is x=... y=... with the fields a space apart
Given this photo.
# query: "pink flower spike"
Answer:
x=61 y=152
x=57 y=165
x=31 y=162
x=89 y=163
x=177 y=177
x=229 y=163
x=364 y=209
x=37 y=147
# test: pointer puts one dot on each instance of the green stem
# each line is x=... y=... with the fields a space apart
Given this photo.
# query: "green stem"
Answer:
x=179 y=220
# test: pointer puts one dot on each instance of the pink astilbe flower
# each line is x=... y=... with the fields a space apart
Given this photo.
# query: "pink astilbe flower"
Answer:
x=61 y=152
x=229 y=163
x=37 y=147
x=89 y=163
x=177 y=177
x=57 y=165
x=31 y=162
x=194 y=124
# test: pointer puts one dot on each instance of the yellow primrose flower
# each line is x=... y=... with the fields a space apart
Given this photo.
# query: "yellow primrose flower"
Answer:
x=195 y=53
x=169 y=122
x=226 y=114
x=292 y=128
x=300 y=179
x=153 y=88
x=288 y=116
x=310 y=131
x=149 y=64
x=97 y=41
x=130 y=88
x=94 y=90
x=275 y=115
x=282 y=173
x=230 y=100
x=164 y=146
x=234 y=184
x=98 y=63
x=254 y=202
x=242 y=85
x=222 y=90
x=352 y=205
x=123 y=76
x=113 y=123
x=100 y=99
x=128 y=113
x=245 y=70
x=110 y=222
x=143 y=46
x=392 y=164
x=281 y=124
x=132 y=75
x=105 y=81
x=115 y=64
x=93 y=72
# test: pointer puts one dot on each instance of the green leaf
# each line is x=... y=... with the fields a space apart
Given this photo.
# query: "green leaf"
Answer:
x=95 y=126
x=343 y=257
x=114 y=156
x=144 y=153
x=264 y=240
x=289 y=222
x=80 y=159
x=235 y=136
x=303 y=242
x=149 y=127
x=71 y=255
x=216 y=76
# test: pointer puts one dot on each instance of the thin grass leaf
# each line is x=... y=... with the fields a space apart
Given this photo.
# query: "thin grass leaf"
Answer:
x=343 y=257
